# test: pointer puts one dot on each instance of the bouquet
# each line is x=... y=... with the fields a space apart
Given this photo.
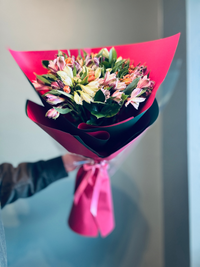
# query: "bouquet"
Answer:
x=96 y=102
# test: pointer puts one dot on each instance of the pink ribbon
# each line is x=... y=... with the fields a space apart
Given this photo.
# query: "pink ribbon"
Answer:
x=101 y=174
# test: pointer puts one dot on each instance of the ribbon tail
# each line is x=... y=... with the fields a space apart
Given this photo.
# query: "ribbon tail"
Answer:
x=82 y=186
x=102 y=174
x=95 y=195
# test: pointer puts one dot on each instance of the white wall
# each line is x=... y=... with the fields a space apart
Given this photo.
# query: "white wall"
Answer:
x=42 y=24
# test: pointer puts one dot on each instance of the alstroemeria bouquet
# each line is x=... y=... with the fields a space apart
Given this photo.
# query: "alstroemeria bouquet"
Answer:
x=94 y=88
x=99 y=104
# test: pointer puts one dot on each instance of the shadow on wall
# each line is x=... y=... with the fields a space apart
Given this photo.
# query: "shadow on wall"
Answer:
x=41 y=237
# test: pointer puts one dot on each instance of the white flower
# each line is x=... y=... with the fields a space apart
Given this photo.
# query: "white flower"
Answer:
x=119 y=58
x=105 y=52
x=67 y=80
x=86 y=97
x=69 y=71
x=89 y=90
x=97 y=73
x=78 y=99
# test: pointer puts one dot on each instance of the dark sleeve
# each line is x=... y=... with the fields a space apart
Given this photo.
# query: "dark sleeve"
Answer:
x=28 y=178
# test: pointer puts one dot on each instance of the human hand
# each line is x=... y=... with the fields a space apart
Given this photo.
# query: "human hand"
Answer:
x=72 y=161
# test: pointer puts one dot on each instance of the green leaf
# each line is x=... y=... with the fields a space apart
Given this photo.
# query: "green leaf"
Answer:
x=45 y=64
x=69 y=53
x=118 y=65
x=84 y=53
x=63 y=110
x=106 y=64
x=50 y=76
x=92 y=107
x=97 y=114
x=84 y=81
x=103 y=71
x=84 y=74
x=74 y=71
x=65 y=55
x=112 y=55
x=123 y=72
x=124 y=97
x=59 y=53
x=91 y=122
x=79 y=53
x=110 y=110
x=99 y=96
x=43 y=79
x=131 y=86
x=99 y=102
x=52 y=92
x=58 y=92
x=66 y=94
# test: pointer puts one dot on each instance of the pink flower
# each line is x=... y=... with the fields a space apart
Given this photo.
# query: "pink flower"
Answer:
x=134 y=100
x=53 y=66
x=57 y=64
x=57 y=85
x=91 y=61
x=145 y=82
x=138 y=71
x=108 y=80
x=106 y=93
x=120 y=85
x=52 y=114
x=60 y=61
x=40 y=86
x=117 y=96
x=53 y=99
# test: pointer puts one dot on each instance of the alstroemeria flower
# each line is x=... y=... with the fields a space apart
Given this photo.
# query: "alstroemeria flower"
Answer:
x=104 y=52
x=139 y=71
x=53 y=66
x=66 y=89
x=127 y=79
x=78 y=99
x=135 y=99
x=69 y=61
x=52 y=114
x=145 y=82
x=69 y=71
x=55 y=85
x=117 y=96
x=106 y=93
x=86 y=97
x=97 y=73
x=118 y=59
x=89 y=90
x=53 y=99
x=67 y=80
x=120 y=85
x=40 y=86
x=92 y=61
x=94 y=84
x=108 y=80
x=60 y=61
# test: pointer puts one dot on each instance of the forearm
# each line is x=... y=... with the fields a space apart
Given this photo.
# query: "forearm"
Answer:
x=28 y=178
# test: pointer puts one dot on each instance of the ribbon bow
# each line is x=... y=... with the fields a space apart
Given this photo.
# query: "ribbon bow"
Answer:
x=98 y=170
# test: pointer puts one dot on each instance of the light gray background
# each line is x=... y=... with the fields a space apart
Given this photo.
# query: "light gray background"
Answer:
x=36 y=229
